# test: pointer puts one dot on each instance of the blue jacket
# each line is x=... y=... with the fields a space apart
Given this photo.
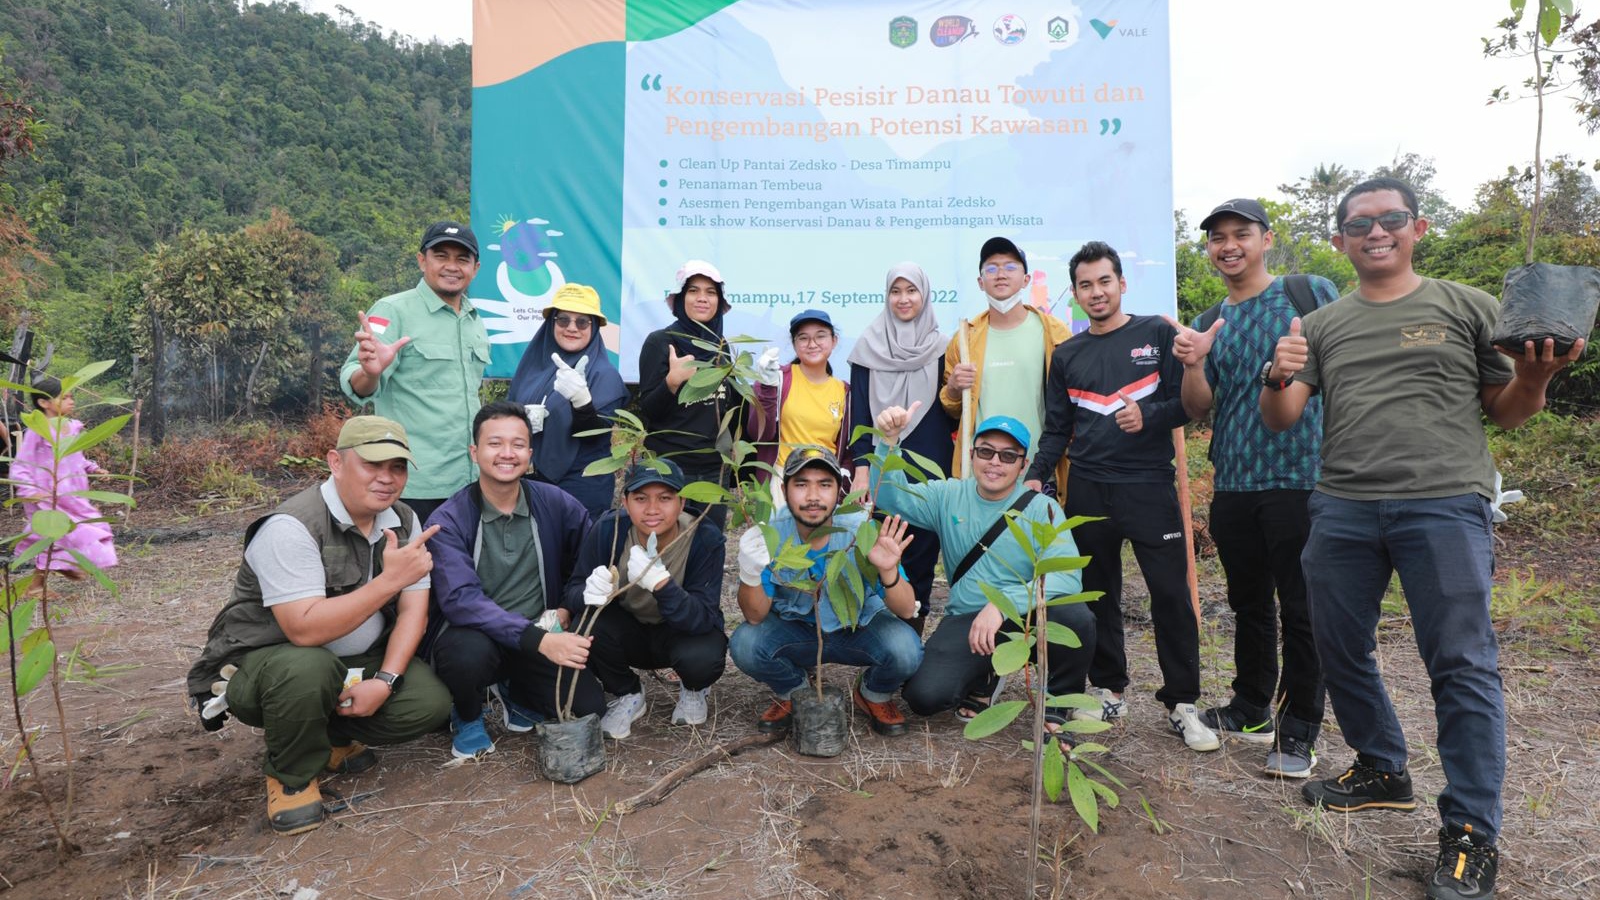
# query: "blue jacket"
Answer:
x=458 y=599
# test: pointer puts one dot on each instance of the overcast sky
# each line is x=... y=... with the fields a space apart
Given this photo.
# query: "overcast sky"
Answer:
x=1264 y=90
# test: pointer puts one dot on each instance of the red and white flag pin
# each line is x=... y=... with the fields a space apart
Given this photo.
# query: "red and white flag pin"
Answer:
x=377 y=324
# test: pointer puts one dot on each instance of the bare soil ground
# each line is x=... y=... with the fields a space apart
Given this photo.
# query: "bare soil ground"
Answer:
x=165 y=810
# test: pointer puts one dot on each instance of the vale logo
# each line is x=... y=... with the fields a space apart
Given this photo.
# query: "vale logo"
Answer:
x=1102 y=28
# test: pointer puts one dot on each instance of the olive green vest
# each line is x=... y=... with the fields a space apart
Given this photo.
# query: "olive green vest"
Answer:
x=244 y=624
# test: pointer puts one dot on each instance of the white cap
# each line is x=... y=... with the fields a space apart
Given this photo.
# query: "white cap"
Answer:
x=696 y=267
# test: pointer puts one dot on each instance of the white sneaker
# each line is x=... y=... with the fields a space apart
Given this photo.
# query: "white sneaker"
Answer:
x=691 y=708
x=1111 y=708
x=1185 y=722
x=620 y=715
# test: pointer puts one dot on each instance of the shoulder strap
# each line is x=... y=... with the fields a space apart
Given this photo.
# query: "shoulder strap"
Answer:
x=1204 y=320
x=1298 y=287
x=982 y=546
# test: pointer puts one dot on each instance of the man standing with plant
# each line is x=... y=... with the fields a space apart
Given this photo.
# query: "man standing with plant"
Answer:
x=505 y=550
x=969 y=515
x=419 y=359
x=784 y=622
x=1407 y=370
x=1114 y=400
x=670 y=613
x=1263 y=478
x=328 y=586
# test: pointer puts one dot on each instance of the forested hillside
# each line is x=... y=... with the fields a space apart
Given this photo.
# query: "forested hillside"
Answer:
x=162 y=120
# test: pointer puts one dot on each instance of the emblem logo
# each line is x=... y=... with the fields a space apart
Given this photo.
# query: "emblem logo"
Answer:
x=1102 y=28
x=902 y=31
x=949 y=30
x=1010 y=29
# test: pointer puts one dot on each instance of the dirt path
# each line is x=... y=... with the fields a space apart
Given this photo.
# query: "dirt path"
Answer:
x=167 y=811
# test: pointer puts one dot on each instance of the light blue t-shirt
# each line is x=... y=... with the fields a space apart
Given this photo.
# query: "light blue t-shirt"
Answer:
x=794 y=603
x=953 y=509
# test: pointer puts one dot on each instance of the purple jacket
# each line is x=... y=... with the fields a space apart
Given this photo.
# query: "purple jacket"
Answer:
x=458 y=599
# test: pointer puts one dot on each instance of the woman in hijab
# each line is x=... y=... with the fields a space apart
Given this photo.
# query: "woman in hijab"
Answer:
x=692 y=434
x=568 y=385
x=897 y=361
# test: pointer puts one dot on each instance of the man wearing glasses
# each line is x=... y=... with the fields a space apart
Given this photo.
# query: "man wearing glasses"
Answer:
x=1114 y=398
x=1010 y=344
x=1407 y=372
x=956 y=671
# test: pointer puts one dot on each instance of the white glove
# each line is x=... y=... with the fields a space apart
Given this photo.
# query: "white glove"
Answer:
x=537 y=413
x=768 y=371
x=570 y=382
x=754 y=557
x=597 y=589
x=645 y=570
x=1497 y=515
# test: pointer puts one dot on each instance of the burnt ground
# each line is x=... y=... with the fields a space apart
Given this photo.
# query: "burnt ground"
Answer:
x=165 y=810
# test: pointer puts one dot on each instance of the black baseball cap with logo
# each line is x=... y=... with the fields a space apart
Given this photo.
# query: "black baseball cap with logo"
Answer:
x=1243 y=208
x=997 y=245
x=806 y=457
x=449 y=233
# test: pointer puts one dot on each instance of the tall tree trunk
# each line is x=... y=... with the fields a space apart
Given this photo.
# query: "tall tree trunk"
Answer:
x=250 y=383
x=315 y=374
x=158 y=371
x=1538 y=139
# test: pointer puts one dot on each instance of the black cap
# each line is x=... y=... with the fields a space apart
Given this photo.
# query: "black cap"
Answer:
x=1243 y=207
x=804 y=457
x=643 y=475
x=450 y=233
x=998 y=245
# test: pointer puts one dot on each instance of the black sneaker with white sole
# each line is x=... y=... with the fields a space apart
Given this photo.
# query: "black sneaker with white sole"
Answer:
x=1291 y=757
x=1229 y=722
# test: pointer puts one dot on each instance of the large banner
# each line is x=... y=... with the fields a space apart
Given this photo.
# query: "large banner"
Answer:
x=804 y=148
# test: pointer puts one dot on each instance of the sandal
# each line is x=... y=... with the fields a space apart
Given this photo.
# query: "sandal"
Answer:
x=979 y=700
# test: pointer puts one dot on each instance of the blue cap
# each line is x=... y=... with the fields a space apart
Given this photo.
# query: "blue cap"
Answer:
x=809 y=315
x=1005 y=425
x=642 y=475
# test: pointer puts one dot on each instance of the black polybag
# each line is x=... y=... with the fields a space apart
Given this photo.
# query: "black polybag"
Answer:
x=1542 y=300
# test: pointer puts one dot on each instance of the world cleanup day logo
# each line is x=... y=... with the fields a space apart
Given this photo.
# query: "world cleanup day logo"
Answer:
x=948 y=30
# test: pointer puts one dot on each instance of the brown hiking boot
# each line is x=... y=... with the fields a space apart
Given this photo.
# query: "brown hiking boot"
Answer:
x=776 y=718
x=351 y=759
x=885 y=718
x=293 y=810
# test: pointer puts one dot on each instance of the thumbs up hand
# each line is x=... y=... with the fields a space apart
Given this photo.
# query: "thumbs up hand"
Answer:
x=1190 y=347
x=570 y=382
x=1130 y=418
x=1291 y=354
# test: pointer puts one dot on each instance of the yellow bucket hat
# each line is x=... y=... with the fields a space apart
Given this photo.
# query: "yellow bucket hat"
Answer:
x=577 y=298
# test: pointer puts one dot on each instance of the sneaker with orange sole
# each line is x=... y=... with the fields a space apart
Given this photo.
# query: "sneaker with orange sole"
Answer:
x=885 y=717
x=776 y=718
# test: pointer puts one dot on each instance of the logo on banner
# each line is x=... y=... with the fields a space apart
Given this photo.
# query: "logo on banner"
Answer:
x=1010 y=29
x=1058 y=29
x=527 y=276
x=902 y=31
x=1103 y=28
x=949 y=30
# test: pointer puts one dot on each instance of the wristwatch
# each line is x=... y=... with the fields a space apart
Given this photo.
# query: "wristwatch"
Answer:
x=391 y=679
x=1267 y=381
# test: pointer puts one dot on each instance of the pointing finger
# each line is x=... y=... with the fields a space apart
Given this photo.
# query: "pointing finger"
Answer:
x=913 y=410
x=425 y=534
x=560 y=363
x=1173 y=322
x=583 y=363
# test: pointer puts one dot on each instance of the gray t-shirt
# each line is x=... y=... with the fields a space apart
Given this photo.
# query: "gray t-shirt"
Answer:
x=1402 y=416
x=288 y=565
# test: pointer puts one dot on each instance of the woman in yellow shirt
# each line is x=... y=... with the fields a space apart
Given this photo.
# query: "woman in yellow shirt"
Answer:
x=802 y=403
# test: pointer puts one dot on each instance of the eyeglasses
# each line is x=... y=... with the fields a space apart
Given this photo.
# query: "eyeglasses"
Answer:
x=1006 y=456
x=582 y=323
x=812 y=340
x=994 y=269
x=1362 y=225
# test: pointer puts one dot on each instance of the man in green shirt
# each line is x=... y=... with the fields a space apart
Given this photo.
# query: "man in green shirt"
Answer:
x=505 y=547
x=419 y=359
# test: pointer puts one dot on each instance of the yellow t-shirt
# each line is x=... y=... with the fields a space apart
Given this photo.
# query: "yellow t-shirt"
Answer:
x=812 y=414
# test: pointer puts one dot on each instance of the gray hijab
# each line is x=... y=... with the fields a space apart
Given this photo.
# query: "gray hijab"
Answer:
x=903 y=357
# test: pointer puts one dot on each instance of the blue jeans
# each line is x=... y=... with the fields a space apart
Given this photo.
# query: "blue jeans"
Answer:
x=778 y=652
x=1443 y=550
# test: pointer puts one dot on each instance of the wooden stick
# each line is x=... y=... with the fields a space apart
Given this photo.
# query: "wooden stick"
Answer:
x=967 y=410
x=669 y=782
x=1186 y=513
x=133 y=467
